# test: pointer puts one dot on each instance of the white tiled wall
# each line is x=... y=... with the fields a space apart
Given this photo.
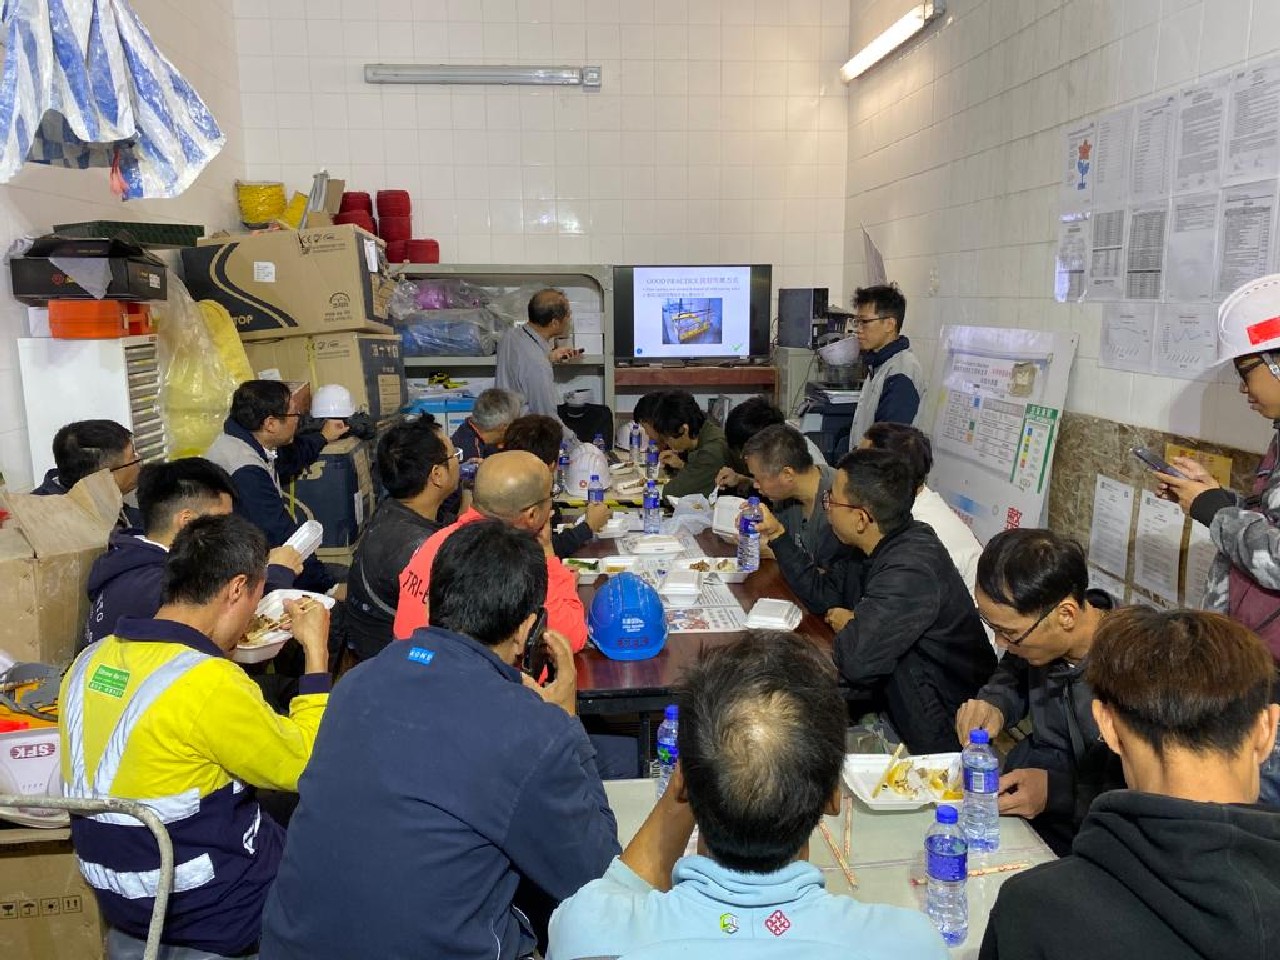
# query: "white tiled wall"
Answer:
x=719 y=134
x=200 y=40
x=953 y=164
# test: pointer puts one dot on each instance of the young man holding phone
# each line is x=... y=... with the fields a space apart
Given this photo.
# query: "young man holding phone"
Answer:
x=457 y=799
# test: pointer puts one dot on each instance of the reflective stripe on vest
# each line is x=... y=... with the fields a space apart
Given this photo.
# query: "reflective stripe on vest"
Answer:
x=142 y=884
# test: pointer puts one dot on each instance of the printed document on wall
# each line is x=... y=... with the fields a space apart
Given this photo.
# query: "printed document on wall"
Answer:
x=1106 y=255
x=1202 y=122
x=1127 y=336
x=1111 y=525
x=997 y=398
x=1253 y=127
x=1111 y=158
x=1247 y=244
x=1157 y=547
x=1071 y=258
x=1200 y=553
x=1077 y=180
x=1193 y=242
x=1150 y=170
x=1144 y=257
x=1186 y=339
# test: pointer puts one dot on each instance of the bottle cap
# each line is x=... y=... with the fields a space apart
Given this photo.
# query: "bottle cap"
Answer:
x=754 y=501
x=671 y=713
x=947 y=814
x=595 y=478
x=979 y=737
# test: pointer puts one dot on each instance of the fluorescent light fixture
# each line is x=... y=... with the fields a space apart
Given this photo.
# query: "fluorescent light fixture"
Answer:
x=469 y=73
x=920 y=16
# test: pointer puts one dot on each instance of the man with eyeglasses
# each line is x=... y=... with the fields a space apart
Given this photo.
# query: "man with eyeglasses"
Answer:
x=258 y=446
x=1033 y=593
x=515 y=487
x=87 y=446
x=908 y=639
x=895 y=381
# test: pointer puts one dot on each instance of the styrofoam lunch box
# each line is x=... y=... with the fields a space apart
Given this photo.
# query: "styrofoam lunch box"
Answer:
x=272 y=605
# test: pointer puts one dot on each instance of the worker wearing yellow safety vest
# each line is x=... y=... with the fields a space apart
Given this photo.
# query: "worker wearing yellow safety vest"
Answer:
x=157 y=713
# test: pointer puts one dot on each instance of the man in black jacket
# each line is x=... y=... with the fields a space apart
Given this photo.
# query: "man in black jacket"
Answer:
x=418 y=465
x=1032 y=592
x=907 y=633
x=1183 y=866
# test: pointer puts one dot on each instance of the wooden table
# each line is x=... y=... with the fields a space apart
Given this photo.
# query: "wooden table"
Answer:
x=641 y=686
x=886 y=853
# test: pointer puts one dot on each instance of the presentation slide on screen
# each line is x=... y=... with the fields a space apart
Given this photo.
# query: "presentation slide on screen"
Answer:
x=692 y=312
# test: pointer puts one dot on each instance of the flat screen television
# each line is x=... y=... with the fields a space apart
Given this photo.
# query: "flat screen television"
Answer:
x=713 y=312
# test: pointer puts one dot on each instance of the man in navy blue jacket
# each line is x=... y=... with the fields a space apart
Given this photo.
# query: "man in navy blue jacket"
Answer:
x=895 y=383
x=443 y=779
x=258 y=448
x=128 y=580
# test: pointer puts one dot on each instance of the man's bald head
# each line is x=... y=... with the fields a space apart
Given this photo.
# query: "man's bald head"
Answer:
x=510 y=482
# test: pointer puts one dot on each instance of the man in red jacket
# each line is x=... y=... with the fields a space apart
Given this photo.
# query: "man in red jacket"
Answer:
x=514 y=487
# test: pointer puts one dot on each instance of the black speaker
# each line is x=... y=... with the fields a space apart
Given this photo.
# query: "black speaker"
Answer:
x=797 y=309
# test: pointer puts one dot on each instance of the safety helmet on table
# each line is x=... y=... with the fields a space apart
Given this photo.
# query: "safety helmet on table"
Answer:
x=626 y=620
x=1249 y=320
x=586 y=460
x=332 y=402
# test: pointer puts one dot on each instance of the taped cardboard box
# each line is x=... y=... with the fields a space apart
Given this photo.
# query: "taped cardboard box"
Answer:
x=368 y=365
x=46 y=550
x=336 y=490
x=47 y=912
x=289 y=283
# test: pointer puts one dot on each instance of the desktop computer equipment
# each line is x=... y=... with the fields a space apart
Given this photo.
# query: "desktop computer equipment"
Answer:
x=798 y=308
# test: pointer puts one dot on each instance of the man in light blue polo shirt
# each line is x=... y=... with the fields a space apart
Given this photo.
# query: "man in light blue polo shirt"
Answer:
x=762 y=730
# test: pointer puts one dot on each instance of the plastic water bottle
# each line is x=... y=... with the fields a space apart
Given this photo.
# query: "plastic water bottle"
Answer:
x=947 y=865
x=652 y=508
x=749 y=536
x=598 y=440
x=980 y=815
x=651 y=462
x=562 y=468
x=668 y=751
x=595 y=490
x=636 y=444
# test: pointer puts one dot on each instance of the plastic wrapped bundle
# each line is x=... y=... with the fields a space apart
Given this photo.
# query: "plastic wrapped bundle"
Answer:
x=449 y=333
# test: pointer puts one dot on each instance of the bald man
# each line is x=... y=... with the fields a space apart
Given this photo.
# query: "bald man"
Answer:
x=514 y=487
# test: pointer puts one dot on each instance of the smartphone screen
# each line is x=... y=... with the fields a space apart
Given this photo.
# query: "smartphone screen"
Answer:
x=1155 y=463
x=537 y=655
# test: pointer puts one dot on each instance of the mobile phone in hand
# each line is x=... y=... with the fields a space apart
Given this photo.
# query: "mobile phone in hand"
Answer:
x=1156 y=464
x=537 y=654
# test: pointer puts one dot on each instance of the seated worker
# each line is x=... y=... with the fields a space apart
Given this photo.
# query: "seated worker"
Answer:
x=158 y=713
x=128 y=580
x=743 y=422
x=418 y=466
x=785 y=472
x=481 y=433
x=258 y=448
x=515 y=487
x=541 y=436
x=1183 y=865
x=449 y=792
x=694 y=446
x=87 y=446
x=907 y=634
x=1033 y=591
x=762 y=740
x=895 y=381
x=928 y=507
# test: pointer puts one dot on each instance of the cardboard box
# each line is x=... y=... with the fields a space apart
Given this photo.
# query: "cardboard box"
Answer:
x=369 y=365
x=336 y=490
x=46 y=550
x=288 y=283
x=30 y=765
x=47 y=911
x=134 y=273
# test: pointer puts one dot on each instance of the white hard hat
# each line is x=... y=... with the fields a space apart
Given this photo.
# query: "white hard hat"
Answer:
x=1249 y=319
x=585 y=460
x=332 y=402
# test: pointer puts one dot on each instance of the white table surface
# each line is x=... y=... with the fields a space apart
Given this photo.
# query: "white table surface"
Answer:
x=887 y=851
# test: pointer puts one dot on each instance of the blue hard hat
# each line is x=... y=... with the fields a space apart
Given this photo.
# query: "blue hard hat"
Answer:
x=626 y=620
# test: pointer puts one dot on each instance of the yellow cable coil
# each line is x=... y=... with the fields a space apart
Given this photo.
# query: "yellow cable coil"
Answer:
x=260 y=201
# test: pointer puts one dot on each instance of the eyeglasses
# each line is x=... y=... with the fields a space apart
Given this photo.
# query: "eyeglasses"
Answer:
x=1007 y=635
x=861 y=322
x=126 y=466
x=828 y=502
x=536 y=503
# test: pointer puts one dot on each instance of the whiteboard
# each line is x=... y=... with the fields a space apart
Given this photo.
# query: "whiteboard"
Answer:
x=998 y=401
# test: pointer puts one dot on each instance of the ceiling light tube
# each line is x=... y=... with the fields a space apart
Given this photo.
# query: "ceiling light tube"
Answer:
x=476 y=73
x=920 y=16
